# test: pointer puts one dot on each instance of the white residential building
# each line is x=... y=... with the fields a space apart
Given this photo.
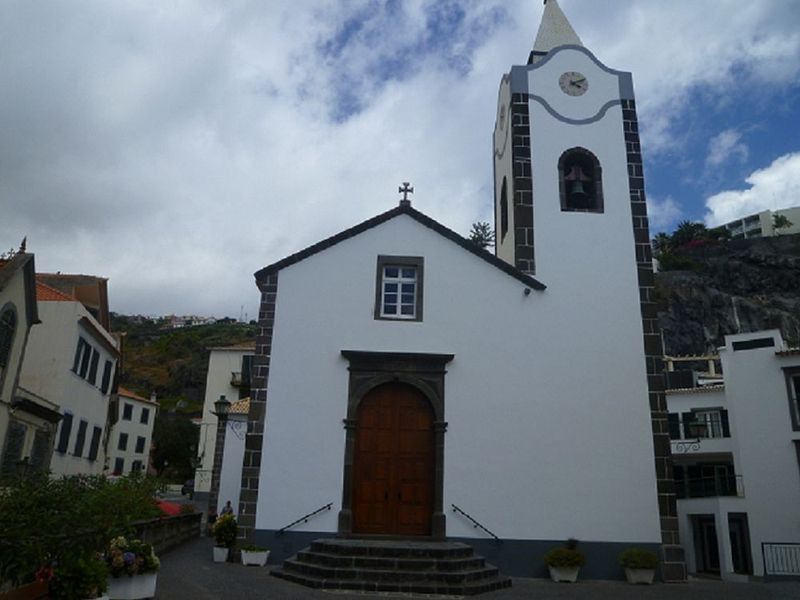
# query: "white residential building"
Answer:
x=132 y=433
x=762 y=224
x=736 y=450
x=27 y=420
x=71 y=360
x=228 y=375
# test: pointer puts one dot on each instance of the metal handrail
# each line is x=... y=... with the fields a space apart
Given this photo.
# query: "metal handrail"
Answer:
x=475 y=524
x=305 y=518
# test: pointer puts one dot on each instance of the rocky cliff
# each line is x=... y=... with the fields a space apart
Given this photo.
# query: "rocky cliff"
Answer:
x=730 y=287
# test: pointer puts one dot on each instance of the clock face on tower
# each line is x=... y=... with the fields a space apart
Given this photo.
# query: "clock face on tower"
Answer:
x=573 y=83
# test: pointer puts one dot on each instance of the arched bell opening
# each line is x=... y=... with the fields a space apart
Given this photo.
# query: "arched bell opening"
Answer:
x=580 y=181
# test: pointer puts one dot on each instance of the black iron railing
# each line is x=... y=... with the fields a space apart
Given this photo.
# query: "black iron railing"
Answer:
x=475 y=523
x=305 y=518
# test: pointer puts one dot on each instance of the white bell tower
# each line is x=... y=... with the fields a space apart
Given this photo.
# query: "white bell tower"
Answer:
x=570 y=209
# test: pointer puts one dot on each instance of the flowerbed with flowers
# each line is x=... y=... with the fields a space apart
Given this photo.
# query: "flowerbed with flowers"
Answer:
x=132 y=557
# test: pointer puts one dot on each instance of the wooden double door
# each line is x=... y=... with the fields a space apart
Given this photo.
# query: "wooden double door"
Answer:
x=393 y=463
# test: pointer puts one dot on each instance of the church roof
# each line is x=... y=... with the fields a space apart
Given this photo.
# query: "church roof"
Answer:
x=402 y=209
x=554 y=31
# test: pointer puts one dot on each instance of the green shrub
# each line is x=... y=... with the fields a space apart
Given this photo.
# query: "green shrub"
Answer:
x=54 y=525
x=79 y=577
x=253 y=548
x=566 y=556
x=638 y=558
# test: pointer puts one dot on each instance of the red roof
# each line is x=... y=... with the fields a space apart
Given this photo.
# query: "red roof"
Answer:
x=46 y=293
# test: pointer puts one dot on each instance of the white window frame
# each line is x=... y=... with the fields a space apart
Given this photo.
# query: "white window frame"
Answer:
x=711 y=420
x=404 y=265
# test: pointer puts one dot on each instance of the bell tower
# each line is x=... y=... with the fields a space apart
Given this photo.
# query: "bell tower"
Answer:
x=570 y=209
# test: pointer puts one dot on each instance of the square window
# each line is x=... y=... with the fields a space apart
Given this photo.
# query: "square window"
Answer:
x=398 y=293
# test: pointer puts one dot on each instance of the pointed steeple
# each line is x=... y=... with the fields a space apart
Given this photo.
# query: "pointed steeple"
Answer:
x=554 y=30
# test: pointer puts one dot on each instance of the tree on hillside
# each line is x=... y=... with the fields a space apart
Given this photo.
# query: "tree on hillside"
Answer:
x=481 y=234
x=175 y=440
x=780 y=222
x=687 y=232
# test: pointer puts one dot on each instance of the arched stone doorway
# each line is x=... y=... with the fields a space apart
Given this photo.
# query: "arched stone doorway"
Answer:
x=393 y=462
x=393 y=476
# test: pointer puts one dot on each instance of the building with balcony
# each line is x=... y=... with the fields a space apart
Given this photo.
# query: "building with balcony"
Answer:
x=736 y=452
x=229 y=371
x=27 y=421
x=762 y=224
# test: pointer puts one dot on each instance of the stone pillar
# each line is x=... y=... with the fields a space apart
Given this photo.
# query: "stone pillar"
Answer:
x=219 y=451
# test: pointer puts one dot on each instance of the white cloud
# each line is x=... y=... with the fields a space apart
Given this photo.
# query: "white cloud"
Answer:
x=776 y=186
x=724 y=146
x=176 y=148
x=663 y=214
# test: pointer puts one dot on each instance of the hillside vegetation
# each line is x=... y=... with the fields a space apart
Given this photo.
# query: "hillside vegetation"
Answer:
x=173 y=362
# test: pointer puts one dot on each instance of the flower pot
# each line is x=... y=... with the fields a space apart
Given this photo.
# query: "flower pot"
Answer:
x=564 y=574
x=258 y=559
x=643 y=576
x=126 y=587
x=220 y=553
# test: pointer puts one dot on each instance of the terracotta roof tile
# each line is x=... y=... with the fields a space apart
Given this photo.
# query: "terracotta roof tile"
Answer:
x=705 y=389
x=241 y=407
x=133 y=395
x=46 y=293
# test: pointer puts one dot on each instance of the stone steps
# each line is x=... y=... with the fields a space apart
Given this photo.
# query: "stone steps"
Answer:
x=413 y=567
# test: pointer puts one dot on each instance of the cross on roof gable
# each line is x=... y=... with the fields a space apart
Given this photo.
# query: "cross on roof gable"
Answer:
x=403 y=209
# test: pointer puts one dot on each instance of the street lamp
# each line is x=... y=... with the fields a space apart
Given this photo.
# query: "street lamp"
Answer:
x=221 y=409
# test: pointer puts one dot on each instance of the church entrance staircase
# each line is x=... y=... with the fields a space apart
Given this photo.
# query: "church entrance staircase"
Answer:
x=414 y=567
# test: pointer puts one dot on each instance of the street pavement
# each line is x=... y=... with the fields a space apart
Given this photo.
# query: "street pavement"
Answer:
x=188 y=572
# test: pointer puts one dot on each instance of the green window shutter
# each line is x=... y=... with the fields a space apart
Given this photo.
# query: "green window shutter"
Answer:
x=674 y=426
x=726 y=428
x=688 y=419
x=12 y=449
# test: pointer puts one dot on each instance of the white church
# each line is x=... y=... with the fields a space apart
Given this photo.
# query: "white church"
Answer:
x=408 y=385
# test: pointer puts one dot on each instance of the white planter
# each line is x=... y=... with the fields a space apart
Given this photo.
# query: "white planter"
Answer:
x=644 y=576
x=259 y=559
x=564 y=574
x=131 y=588
x=220 y=554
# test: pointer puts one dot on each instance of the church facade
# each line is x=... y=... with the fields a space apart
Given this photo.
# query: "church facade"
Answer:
x=414 y=384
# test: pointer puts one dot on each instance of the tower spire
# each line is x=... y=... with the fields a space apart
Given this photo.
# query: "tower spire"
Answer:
x=554 y=30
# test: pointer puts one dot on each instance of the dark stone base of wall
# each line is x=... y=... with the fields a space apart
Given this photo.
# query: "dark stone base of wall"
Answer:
x=516 y=558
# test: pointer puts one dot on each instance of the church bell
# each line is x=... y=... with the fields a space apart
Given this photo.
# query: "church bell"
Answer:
x=577 y=194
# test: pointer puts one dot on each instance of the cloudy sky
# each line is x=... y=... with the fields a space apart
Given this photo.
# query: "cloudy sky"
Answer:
x=176 y=147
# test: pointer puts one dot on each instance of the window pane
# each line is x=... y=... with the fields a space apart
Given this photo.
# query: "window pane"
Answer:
x=407 y=310
x=409 y=273
x=390 y=309
x=390 y=271
x=390 y=299
x=408 y=299
x=408 y=288
x=390 y=287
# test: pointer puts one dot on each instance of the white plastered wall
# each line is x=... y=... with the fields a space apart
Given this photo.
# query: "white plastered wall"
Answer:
x=546 y=401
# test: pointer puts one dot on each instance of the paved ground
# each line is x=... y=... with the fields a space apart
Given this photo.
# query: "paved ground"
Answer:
x=189 y=573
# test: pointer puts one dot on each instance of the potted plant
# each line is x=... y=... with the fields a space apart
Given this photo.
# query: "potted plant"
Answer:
x=224 y=531
x=640 y=565
x=133 y=567
x=565 y=562
x=254 y=555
